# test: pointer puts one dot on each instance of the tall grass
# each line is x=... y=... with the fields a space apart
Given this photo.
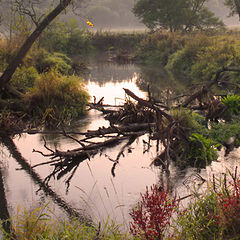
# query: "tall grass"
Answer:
x=41 y=223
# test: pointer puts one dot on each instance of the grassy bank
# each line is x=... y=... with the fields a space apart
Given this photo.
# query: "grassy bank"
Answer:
x=195 y=56
x=213 y=212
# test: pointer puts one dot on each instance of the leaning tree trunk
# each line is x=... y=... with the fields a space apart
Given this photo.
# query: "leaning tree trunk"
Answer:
x=7 y=74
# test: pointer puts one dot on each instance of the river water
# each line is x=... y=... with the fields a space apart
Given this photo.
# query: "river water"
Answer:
x=93 y=190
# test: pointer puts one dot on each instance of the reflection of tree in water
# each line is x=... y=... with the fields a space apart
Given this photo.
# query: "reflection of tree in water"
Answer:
x=4 y=214
x=10 y=145
x=112 y=72
x=160 y=82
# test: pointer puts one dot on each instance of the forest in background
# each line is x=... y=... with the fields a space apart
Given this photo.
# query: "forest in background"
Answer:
x=112 y=14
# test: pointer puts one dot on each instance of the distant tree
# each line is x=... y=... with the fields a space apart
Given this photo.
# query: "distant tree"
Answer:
x=174 y=15
x=234 y=6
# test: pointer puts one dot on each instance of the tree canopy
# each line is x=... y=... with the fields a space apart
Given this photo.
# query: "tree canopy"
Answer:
x=184 y=15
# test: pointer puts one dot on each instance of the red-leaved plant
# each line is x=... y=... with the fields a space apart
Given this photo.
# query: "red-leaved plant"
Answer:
x=229 y=203
x=152 y=215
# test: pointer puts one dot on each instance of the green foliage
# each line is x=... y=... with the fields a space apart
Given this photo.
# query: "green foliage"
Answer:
x=67 y=38
x=79 y=42
x=175 y=15
x=180 y=63
x=56 y=98
x=24 y=78
x=233 y=103
x=214 y=214
x=202 y=151
x=157 y=47
x=222 y=132
x=44 y=61
x=199 y=221
x=54 y=38
x=221 y=51
x=42 y=224
x=105 y=41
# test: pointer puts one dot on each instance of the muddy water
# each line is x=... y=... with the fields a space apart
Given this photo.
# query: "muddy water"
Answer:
x=93 y=187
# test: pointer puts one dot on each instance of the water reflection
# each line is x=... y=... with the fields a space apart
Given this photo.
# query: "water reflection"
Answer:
x=4 y=214
x=8 y=142
x=162 y=85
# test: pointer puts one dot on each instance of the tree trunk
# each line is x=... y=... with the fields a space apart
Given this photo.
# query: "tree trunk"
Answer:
x=9 y=71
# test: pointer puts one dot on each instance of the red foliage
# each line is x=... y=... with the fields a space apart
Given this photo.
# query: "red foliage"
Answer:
x=152 y=215
x=229 y=204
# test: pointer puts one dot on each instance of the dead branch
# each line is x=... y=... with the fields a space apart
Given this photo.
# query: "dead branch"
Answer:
x=148 y=104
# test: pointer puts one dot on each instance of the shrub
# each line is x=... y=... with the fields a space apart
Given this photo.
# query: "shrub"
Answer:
x=157 y=47
x=56 y=98
x=222 y=52
x=202 y=151
x=229 y=208
x=24 y=78
x=79 y=42
x=233 y=103
x=180 y=62
x=44 y=61
x=152 y=216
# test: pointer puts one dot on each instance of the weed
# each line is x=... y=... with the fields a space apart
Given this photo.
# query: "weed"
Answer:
x=151 y=217
x=41 y=223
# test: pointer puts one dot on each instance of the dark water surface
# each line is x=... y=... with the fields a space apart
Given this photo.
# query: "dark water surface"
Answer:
x=92 y=187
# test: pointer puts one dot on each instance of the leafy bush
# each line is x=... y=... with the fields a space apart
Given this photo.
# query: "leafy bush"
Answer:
x=54 y=38
x=157 y=47
x=202 y=151
x=180 y=62
x=233 y=103
x=79 y=42
x=222 y=52
x=44 y=61
x=105 y=41
x=24 y=78
x=222 y=132
x=56 y=98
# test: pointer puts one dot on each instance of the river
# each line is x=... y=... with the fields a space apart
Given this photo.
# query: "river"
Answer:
x=91 y=188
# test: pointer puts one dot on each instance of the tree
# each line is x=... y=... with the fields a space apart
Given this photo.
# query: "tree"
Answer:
x=173 y=15
x=9 y=71
x=234 y=6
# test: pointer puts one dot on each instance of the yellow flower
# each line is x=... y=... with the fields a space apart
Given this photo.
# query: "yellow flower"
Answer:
x=89 y=23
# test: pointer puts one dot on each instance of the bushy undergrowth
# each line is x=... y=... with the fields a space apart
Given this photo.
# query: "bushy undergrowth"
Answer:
x=24 y=78
x=55 y=98
x=156 y=48
x=44 y=61
x=196 y=56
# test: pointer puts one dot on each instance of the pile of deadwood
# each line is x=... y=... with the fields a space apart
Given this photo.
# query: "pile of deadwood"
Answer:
x=136 y=118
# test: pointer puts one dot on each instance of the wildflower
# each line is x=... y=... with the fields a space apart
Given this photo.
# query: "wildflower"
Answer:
x=89 y=23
